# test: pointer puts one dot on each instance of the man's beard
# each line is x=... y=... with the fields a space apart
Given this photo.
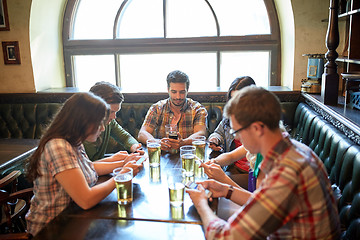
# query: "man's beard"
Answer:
x=177 y=100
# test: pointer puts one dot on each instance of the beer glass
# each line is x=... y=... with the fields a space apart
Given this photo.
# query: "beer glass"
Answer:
x=200 y=144
x=154 y=152
x=187 y=154
x=171 y=132
x=123 y=181
x=176 y=185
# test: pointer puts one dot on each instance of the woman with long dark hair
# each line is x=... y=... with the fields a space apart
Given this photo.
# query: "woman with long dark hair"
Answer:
x=60 y=169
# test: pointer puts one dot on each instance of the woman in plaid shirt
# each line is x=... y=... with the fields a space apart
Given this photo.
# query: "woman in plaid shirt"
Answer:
x=60 y=169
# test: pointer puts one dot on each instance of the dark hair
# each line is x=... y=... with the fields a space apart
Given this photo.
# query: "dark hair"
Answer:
x=109 y=92
x=238 y=84
x=178 y=77
x=79 y=117
x=252 y=104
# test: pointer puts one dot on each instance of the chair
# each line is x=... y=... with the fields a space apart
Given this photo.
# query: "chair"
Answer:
x=14 y=205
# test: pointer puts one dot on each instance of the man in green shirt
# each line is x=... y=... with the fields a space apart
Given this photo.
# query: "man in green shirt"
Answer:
x=114 y=134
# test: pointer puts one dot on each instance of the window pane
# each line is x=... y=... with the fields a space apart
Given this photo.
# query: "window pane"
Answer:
x=147 y=72
x=237 y=64
x=92 y=69
x=241 y=17
x=95 y=19
x=141 y=19
x=189 y=18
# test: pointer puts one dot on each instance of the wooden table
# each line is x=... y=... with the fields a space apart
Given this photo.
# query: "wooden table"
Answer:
x=14 y=151
x=149 y=216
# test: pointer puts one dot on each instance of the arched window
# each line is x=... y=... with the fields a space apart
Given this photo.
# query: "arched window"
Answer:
x=136 y=43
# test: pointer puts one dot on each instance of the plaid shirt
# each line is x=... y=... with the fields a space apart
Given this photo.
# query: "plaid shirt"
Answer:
x=50 y=198
x=160 y=114
x=294 y=201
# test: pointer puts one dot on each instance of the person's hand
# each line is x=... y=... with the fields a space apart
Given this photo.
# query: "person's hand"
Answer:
x=137 y=148
x=210 y=161
x=198 y=196
x=168 y=143
x=119 y=156
x=136 y=167
x=214 y=171
x=217 y=189
x=214 y=144
x=131 y=157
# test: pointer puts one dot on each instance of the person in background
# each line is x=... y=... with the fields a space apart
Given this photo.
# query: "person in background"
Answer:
x=187 y=114
x=213 y=167
x=222 y=140
x=293 y=201
x=114 y=135
x=61 y=171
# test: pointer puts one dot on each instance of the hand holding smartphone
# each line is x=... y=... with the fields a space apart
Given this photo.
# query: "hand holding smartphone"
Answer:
x=141 y=160
x=193 y=185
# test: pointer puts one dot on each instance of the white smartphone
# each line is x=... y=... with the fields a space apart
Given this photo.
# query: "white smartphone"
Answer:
x=141 y=160
x=193 y=185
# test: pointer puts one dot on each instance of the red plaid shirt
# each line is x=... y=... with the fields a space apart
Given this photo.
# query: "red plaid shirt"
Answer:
x=160 y=114
x=294 y=201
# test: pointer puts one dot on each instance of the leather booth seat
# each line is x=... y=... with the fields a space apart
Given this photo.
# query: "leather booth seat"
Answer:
x=341 y=158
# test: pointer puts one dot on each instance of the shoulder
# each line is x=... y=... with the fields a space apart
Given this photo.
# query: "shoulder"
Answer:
x=195 y=105
x=158 y=105
x=58 y=143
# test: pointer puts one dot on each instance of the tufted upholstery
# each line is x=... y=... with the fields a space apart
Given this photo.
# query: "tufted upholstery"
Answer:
x=341 y=158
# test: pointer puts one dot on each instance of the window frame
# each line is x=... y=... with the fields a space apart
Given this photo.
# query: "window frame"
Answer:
x=114 y=46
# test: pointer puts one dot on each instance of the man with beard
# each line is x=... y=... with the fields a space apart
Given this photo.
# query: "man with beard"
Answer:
x=187 y=114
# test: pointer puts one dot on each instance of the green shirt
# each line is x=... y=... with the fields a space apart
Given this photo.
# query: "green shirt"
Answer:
x=113 y=136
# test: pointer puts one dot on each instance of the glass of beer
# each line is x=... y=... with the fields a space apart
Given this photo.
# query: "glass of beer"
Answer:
x=154 y=152
x=171 y=131
x=176 y=185
x=200 y=144
x=123 y=180
x=187 y=154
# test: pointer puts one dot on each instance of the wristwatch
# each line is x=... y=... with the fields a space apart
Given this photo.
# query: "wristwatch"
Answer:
x=230 y=191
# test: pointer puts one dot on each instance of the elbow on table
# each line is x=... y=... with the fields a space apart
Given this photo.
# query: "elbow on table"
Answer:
x=85 y=205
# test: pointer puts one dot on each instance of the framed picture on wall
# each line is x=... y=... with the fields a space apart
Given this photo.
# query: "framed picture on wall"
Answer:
x=11 y=52
x=4 y=19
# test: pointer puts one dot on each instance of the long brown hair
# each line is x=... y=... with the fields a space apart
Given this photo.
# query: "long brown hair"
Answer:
x=80 y=117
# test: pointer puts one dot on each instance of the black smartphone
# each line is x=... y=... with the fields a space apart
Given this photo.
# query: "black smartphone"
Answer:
x=140 y=161
x=193 y=185
x=173 y=135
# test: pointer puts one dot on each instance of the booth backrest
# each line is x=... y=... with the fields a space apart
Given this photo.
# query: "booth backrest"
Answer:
x=341 y=158
x=29 y=120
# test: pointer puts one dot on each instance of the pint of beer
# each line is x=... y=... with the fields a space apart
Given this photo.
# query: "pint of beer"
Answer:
x=154 y=151
x=123 y=180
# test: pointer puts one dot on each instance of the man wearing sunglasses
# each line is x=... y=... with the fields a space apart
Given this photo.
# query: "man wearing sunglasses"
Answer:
x=293 y=201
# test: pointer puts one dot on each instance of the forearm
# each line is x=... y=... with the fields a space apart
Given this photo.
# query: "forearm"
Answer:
x=98 y=193
x=103 y=167
x=198 y=131
x=144 y=135
x=225 y=159
x=206 y=214
x=228 y=158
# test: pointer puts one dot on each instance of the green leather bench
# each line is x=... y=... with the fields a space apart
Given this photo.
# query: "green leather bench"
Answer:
x=341 y=158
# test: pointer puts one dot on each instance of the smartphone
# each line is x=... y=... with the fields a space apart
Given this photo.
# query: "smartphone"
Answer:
x=173 y=135
x=193 y=185
x=141 y=160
